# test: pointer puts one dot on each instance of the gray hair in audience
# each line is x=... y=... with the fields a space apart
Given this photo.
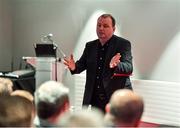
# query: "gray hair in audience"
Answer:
x=49 y=97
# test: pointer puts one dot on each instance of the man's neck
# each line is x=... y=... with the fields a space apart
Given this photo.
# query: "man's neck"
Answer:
x=104 y=41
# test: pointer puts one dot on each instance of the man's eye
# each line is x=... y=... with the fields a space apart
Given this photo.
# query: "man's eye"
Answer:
x=105 y=26
x=99 y=25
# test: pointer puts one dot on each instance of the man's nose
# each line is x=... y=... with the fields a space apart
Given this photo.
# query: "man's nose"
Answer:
x=101 y=27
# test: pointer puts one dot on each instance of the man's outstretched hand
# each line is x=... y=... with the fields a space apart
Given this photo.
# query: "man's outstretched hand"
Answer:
x=70 y=63
x=115 y=60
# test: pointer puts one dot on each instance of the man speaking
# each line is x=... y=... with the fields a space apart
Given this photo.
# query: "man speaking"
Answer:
x=107 y=61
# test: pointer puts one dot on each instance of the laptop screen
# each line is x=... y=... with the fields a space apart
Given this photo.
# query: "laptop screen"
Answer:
x=45 y=50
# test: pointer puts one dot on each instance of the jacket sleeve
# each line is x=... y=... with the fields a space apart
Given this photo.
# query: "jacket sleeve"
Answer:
x=81 y=64
x=125 y=66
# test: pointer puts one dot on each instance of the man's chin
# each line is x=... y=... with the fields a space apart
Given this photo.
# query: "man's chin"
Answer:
x=102 y=37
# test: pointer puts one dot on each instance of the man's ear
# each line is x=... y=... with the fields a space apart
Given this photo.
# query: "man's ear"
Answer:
x=114 y=28
x=66 y=106
x=107 y=108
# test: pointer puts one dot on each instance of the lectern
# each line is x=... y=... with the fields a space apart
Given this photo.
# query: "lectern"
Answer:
x=44 y=70
x=46 y=64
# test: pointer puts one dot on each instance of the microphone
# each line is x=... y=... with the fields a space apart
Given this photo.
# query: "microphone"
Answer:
x=49 y=35
x=47 y=38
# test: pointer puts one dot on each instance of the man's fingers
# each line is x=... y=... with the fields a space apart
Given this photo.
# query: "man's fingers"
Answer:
x=65 y=62
x=115 y=60
x=65 y=59
x=72 y=57
x=118 y=54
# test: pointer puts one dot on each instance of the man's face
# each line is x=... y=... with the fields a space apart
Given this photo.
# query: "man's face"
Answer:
x=104 y=29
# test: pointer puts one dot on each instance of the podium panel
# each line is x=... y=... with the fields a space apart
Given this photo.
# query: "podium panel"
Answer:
x=44 y=69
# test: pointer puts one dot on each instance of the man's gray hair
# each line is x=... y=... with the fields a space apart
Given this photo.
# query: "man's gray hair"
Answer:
x=49 y=97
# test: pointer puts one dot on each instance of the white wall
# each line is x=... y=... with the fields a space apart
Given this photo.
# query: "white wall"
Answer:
x=5 y=36
x=161 y=101
x=150 y=25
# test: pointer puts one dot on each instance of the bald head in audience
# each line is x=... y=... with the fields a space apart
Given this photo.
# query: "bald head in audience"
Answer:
x=24 y=94
x=124 y=109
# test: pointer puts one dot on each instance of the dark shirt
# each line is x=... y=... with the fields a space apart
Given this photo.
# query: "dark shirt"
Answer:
x=99 y=98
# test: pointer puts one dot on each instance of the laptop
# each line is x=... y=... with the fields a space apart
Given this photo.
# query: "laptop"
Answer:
x=45 y=50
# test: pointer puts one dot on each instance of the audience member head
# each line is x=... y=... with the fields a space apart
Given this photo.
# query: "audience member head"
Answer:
x=28 y=96
x=83 y=118
x=124 y=109
x=52 y=100
x=6 y=86
x=24 y=94
x=15 y=111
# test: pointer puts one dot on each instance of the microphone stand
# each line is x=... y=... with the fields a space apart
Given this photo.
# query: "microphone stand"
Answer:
x=58 y=59
x=59 y=50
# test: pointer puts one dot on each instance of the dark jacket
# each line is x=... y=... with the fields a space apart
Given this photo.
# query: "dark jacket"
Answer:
x=88 y=62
